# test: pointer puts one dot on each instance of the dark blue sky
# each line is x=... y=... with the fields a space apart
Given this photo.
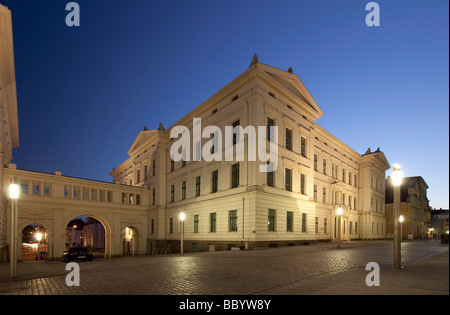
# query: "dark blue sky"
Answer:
x=84 y=93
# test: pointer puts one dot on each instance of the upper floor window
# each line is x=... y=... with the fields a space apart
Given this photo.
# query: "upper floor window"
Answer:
x=235 y=132
x=288 y=139
x=235 y=175
x=288 y=179
x=303 y=146
x=270 y=123
x=214 y=181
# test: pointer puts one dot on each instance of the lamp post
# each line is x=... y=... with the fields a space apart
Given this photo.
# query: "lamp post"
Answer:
x=397 y=181
x=339 y=213
x=38 y=238
x=182 y=230
x=401 y=219
x=14 y=195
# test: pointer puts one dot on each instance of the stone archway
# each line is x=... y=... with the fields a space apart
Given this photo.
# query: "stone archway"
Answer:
x=106 y=225
x=47 y=237
x=130 y=241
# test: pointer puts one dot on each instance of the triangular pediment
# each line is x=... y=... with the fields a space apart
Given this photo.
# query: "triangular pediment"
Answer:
x=142 y=137
x=293 y=84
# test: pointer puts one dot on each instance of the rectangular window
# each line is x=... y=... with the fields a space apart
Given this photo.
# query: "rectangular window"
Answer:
x=349 y=178
x=356 y=227
x=145 y=172
x=351 y=227
x=172 y=165
x=316 y=225
x=288 y=139
x=101 y=195
x=153 y=196
x=350 y=202
x=354 y=203
x=183 y=159
x=124 y=198
x=76 y=192
x=325 y=227
x=197 y=186
x=138 y=199
x=172 y=193
x=138 y=176
x=288 y=179
x=270 y=123
x=270 y=176
x=235 y=175
x=131 y=199
x=215 y=181
x=315 y=162
x=233 y=221
x=355 y=181
x=303 y=147
x=290 y=221
x=325 y=166
x=271 y=222
x=47 y=189
x=196 y=223
x=302 y=184
x=84 y=193
x=109 y=196
x=36 y=188
x=315 y=192
x=303 y=222
x=66 y=191
x=170 y=225
x=153 y=167
x=343 y=175
x=212 y=222
x=24 y=187
x=324 y=195
x=235 y=132
x=152 y=226
x=94 y=194
x=183 y=190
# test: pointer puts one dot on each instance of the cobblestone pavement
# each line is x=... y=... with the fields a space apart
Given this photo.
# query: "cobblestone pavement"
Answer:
x=307 y=269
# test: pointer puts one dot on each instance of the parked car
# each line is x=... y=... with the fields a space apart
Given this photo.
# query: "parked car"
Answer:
x=77 y=253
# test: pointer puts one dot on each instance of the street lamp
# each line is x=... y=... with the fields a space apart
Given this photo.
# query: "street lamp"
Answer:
x=339 y=213
x=182 y=230
x=14 y=195
x=38 y=238
x=397 y=181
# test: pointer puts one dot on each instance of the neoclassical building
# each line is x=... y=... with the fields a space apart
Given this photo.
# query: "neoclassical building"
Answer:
x=231 y=203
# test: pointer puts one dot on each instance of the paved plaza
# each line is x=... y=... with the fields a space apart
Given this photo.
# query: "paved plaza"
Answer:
x=308 y=269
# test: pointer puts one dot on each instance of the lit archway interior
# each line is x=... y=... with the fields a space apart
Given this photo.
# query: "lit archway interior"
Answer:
x=86 y=232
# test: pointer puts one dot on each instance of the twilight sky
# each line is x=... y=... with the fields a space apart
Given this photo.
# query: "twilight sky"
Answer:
x=84 y=93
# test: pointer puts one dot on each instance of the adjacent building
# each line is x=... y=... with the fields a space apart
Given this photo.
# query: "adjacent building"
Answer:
x=9 y=124
x=414 y=206
x=439 y=222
